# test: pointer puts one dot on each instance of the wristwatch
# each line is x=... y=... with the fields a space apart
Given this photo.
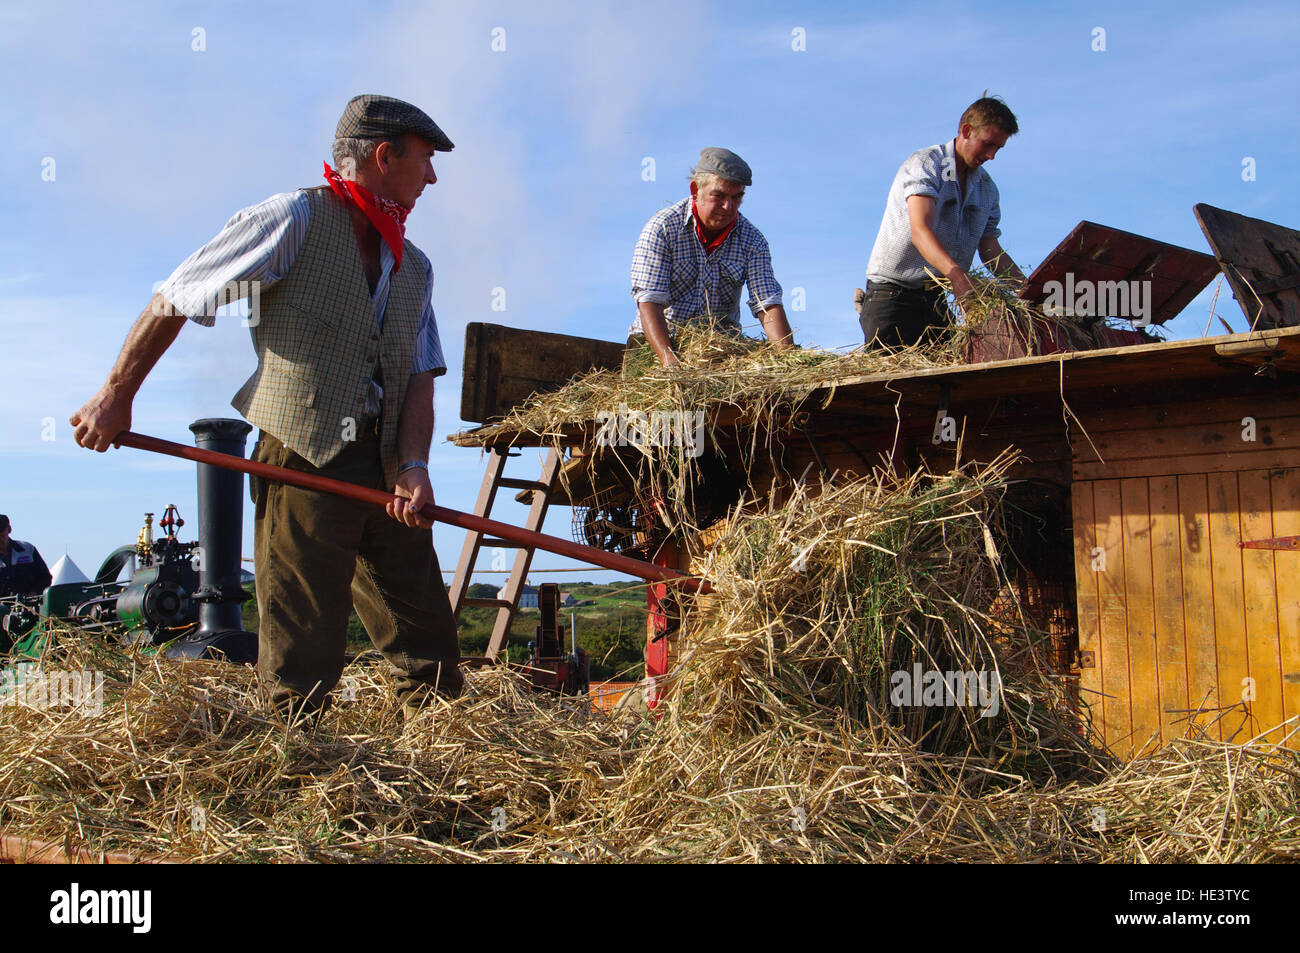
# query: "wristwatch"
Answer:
x=412 y=465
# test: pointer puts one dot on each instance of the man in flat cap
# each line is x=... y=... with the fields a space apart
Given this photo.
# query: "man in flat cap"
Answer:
x=22 y=570
x=942 y=208
x=693 y=257
x=347 y=350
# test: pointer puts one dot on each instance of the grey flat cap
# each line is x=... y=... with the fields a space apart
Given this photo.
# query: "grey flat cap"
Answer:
x=725 y=163
x=381 y=117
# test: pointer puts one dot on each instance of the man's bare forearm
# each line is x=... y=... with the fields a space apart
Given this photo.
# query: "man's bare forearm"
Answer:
x=655 y=328
x=108 y=413
x=146 y=343
x=414 y=434
x=920 y=216
x=920 y=213
x=998 y=261
x=777 y=327
x=415 y=427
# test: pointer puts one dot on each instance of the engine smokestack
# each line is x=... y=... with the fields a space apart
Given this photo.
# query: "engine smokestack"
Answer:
x=221 y=524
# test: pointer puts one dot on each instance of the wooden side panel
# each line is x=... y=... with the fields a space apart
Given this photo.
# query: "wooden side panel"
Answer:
x=1259 y=583
x=505 y=366
x=1198 y=601
x=1097 y=253
x=1199 y=463
x=1189 y=447
x=1167 y=596
x=1209 y=409
x=1140 y=621
x=1229 y=603
x=1113 y=635
x=1089 y=613
x=1228 y=437
x=1286 y=522
x=1252 y=252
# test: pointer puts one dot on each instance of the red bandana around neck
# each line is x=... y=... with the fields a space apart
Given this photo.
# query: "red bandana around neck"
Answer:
x=710 y=246
x=387 y=216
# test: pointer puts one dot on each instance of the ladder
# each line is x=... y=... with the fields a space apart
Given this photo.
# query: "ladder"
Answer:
x=507 y=602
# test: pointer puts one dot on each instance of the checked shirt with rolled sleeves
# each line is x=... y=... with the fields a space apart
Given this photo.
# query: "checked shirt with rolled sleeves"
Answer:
x=669 y=267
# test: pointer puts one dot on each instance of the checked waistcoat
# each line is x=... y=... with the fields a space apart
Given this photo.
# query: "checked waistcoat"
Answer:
x=318 y=345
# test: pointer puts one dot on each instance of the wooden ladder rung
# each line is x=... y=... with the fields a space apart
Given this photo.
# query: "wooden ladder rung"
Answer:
x=503 y=543
x=488 y=603
x=518 y=483
x=538 y=493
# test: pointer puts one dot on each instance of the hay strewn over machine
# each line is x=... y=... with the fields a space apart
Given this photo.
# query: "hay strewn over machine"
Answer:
x=779 y=740
x=664 y=452
x=865 y=683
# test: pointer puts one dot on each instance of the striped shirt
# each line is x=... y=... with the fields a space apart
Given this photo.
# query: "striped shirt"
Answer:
x=669 y=267
x=960 y=221
x=260 y=244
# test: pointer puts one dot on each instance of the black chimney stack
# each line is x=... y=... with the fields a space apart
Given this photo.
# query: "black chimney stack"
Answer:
x=221 y=522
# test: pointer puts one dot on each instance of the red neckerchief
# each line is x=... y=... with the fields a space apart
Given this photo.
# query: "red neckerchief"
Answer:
x=710 y=246
x=387 y=216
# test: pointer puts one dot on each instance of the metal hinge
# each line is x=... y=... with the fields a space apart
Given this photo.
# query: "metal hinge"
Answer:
x=1277 y=542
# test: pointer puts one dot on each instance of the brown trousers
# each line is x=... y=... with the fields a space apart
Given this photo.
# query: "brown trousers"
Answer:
x=317 y=556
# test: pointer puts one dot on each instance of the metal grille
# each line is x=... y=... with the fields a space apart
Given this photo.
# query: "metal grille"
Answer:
x=611 y=521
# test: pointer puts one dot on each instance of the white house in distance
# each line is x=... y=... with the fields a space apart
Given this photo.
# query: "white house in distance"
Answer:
x=528 y=597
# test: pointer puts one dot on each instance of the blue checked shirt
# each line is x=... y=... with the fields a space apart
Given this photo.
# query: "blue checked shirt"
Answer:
x=669 y=267
x=260 y=243
x=960 y=220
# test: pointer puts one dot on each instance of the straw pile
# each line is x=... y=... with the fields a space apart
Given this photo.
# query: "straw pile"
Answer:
x=857 y=588
x=721 y=371
x=748 y=392
x=779 y=740
x=783 y=736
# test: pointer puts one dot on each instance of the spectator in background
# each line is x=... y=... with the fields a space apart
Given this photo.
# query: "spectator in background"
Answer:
x=22 y=570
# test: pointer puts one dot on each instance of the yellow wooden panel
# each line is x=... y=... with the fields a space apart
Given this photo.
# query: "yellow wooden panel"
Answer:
x=1116 y=711
x=1258 y=575
x=1286 y=522
x=1087 y=467
x=1229 y=603
x=1085 y=587
x=1212 y=408
x=1140 y=618
x=1167 y=594
x=1194 y=438
x=1198 y=601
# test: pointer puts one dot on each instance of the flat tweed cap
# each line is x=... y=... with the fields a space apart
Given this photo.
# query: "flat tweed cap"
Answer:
x=725 y=163
x=381 y=117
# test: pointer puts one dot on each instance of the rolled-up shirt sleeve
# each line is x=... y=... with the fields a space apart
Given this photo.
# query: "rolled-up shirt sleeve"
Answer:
x=258 y=244
x=919 y=175
x=652 y=265
x=764 y=291
x=428 y=344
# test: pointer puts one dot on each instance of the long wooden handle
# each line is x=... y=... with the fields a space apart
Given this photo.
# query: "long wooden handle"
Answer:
x=430 y=511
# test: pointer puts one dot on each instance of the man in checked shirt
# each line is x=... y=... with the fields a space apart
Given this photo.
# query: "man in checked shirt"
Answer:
x=693 y=257
x=347 y=350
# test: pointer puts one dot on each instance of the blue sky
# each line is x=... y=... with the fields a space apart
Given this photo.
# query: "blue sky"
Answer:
x=155 y=144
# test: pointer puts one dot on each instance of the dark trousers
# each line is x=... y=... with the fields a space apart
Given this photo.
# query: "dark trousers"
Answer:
x=317 y=556
x=895 y=316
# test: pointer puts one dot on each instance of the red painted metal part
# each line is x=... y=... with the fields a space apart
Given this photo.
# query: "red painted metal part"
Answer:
x=15 y=849
x=659 y=608
x=1279 y=542
x=430 y=511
